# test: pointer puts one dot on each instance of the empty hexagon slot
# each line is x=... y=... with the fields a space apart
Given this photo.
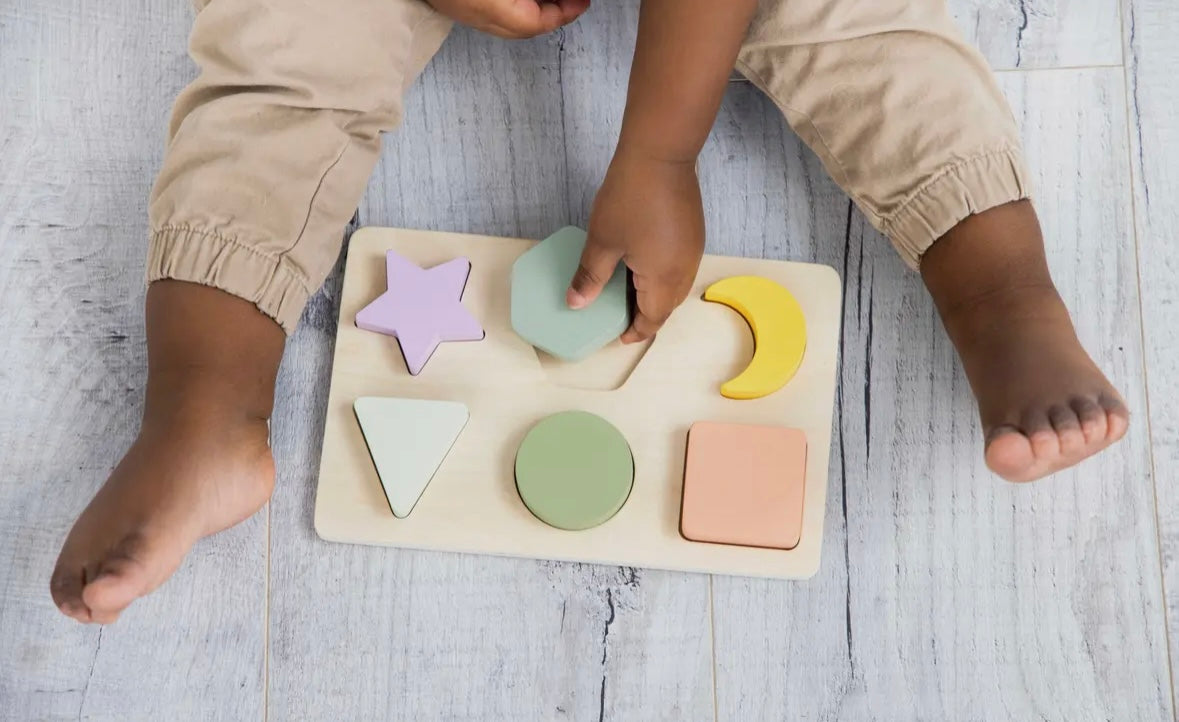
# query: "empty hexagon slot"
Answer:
x=606 y=370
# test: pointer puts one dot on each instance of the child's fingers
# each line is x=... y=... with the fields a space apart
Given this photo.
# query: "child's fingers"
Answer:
x=555 y=13
x=597 y=266
x=529 y=18
x=652 y=309
x=642 y=327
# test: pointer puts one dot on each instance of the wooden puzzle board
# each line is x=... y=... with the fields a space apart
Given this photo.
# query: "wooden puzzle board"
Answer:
x=472 y=505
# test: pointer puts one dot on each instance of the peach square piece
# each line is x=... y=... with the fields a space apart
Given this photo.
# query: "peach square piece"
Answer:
x=743 y=485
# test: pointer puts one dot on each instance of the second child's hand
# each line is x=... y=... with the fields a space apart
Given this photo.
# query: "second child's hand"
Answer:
x=512 y=19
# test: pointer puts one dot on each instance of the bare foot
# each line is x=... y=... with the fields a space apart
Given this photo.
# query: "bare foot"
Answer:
x=202 y=460
x=1044 y=404
x=178 y=482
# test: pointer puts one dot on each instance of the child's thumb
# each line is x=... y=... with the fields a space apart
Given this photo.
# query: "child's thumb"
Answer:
x=596 y=267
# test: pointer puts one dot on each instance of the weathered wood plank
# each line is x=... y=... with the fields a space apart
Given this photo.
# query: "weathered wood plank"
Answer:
x=1041 y=33
x=1103 y=547
x=1153 y=99
x=967 y=597
x=81 y=136
x=481 y=147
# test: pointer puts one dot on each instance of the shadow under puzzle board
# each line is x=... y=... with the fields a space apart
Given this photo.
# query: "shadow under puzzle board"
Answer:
x=472 y=505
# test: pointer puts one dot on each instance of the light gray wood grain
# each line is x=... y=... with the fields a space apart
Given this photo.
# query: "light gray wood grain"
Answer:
x=381 y=633
x=968 y=597
x=1153 y=101
x=1103 y=547
x=1041 y=33
x=944 y=594
x=81 y=135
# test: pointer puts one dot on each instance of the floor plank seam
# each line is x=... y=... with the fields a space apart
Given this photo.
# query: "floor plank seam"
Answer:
x=1131 y=109
x=605 y=650
x=851 y=660
x=561 y=36
x=90 y=674
x=712 y=645
x=1133 y=115
x=1054 y=68
x=1023 y=25
x=266 y=627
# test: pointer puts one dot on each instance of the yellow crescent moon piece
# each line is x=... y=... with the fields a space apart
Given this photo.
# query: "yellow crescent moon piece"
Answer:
x=779 y=333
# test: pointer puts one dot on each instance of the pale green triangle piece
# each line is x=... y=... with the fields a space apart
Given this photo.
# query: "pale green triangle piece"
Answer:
x=408 y=439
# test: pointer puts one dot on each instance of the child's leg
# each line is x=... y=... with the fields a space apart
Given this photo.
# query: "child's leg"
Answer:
x=908 y=119
x=270 y=150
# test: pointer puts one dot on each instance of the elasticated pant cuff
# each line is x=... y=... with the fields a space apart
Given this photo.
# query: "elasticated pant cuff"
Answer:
x=211 y=259
x=949 y=197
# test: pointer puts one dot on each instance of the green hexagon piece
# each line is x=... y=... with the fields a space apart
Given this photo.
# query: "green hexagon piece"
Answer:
x=540 y=315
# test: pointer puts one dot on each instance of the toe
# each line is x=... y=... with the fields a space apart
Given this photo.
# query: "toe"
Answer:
x=1009 y=453
x=1094 y=424
x=1116 y=414
x=1068 y=430
x=121 y=578
x=110 y=593
x=65 y=586
x=1045 y=442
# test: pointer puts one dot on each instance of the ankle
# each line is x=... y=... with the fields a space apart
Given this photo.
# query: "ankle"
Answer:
x=210 y=355
x=200 y=400
x=1006 y=312
x=992 y=263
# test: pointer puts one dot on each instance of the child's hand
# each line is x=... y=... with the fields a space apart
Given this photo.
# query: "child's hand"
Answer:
x=514 y=19
x=648 y=214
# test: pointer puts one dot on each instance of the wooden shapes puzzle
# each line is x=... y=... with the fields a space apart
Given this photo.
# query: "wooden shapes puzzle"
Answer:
x=408 y=439
x=421 y=308
x=743 y=485
x=574 y=470
x=540 y=278
x=476 y=501
x=779 y=333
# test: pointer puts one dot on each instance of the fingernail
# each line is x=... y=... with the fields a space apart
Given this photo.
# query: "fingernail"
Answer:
x=574 y=299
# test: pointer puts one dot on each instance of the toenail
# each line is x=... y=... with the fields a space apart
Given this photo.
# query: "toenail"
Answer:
x=1000 y=431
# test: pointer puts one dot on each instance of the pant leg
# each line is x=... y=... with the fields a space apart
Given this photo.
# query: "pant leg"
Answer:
x=904 y=114
x=272 y=145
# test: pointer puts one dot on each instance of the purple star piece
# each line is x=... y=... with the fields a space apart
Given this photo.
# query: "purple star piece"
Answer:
x=421 y=308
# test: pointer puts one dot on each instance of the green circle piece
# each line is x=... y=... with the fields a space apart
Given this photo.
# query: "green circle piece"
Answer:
x=574 y=470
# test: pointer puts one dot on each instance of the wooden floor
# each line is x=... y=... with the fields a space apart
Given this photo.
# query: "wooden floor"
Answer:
x=944 y=593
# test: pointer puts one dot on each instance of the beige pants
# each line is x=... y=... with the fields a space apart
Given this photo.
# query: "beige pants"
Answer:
x=271 y=147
